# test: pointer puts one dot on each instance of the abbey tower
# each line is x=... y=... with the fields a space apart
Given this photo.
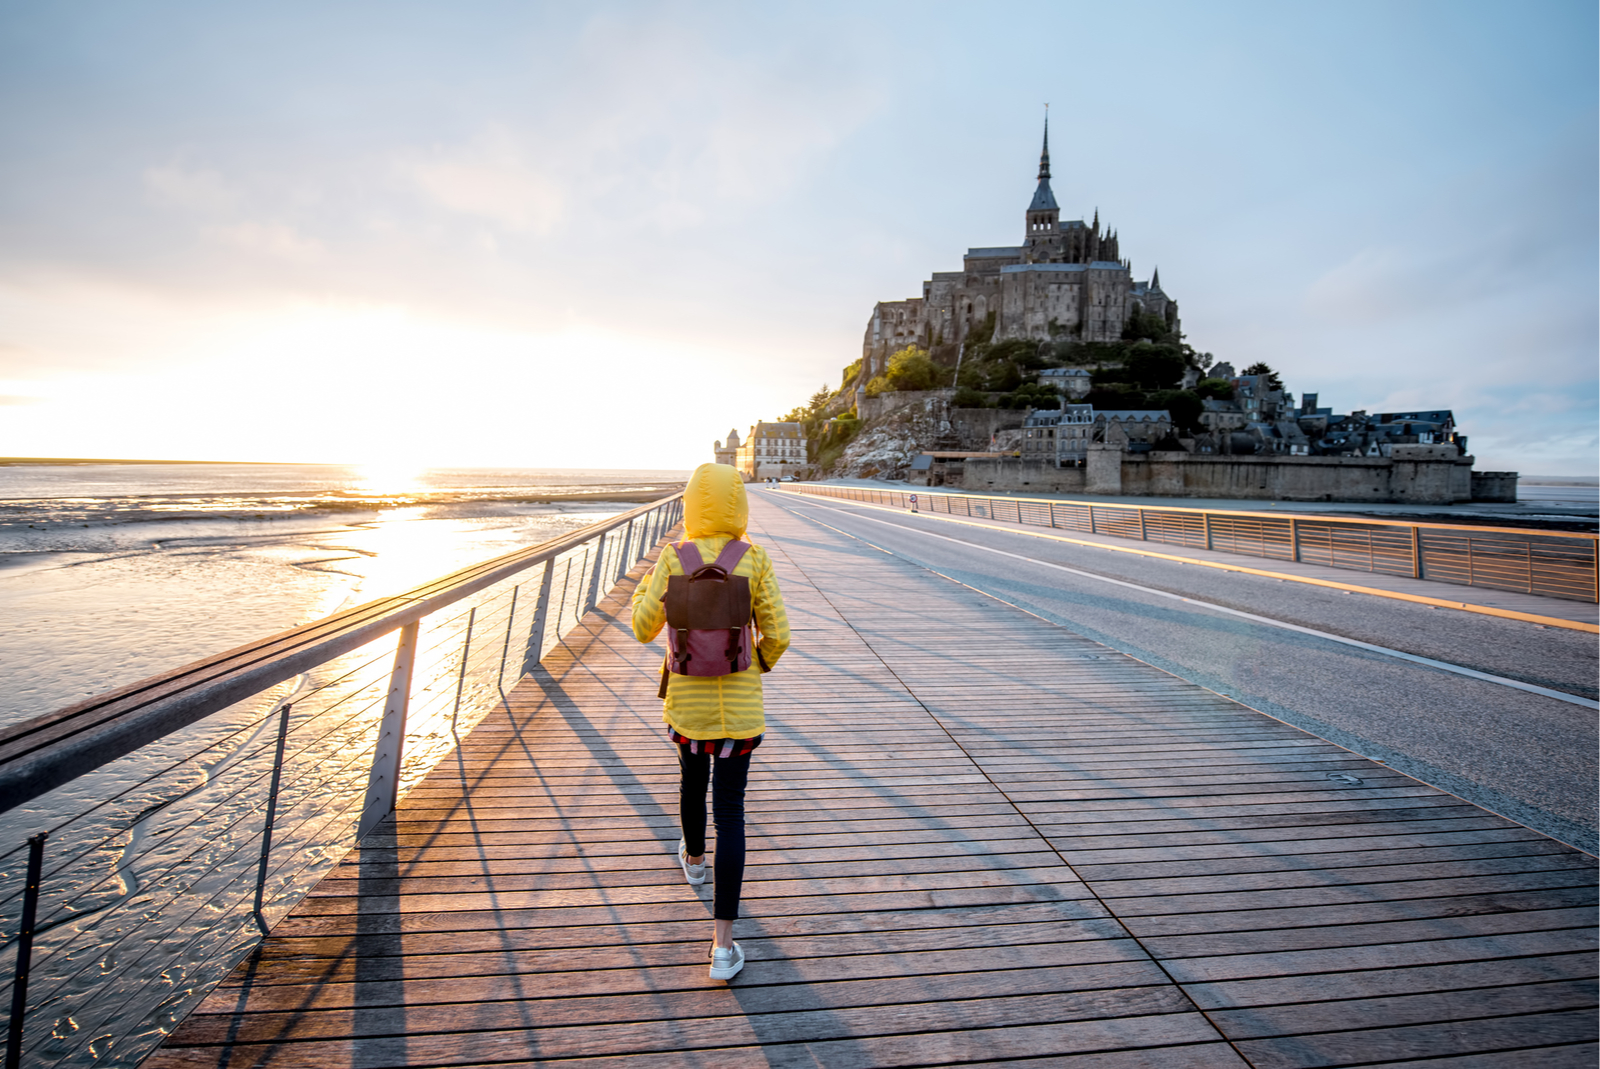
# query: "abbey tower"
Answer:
x=1066 y=280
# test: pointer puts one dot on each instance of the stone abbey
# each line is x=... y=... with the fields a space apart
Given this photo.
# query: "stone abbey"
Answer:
x=1066 y=280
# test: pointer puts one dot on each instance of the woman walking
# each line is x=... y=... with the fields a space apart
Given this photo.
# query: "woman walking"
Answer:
x=716 y=721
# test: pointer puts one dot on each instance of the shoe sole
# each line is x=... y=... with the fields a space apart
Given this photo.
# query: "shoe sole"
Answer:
x=726 y=974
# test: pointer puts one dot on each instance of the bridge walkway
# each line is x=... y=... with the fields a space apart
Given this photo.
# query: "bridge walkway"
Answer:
x=976 y=838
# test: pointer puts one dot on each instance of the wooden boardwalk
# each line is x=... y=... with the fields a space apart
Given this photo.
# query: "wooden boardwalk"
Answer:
x=976 y=838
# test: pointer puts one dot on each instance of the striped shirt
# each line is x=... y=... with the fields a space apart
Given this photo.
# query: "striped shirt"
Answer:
x=717 y=747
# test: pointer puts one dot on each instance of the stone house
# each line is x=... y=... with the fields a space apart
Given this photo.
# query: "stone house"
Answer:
x=771 y=451
x=1141 y=428
x=727 y=452
x=1073 y=382
x=1058 y=435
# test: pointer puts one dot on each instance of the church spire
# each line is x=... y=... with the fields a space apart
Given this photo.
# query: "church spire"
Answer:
x=1044 y=155
x=1044 y=201
x=1155 y=279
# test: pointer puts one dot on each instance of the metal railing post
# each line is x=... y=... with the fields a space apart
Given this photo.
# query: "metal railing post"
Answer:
x=383 y=784
x=1142 y=536
x=534 y=652
x=1416 y=552
x=626 y=555
x=594 y=575
x=1294 y=539
x=30 y=916
x=1205 y=520
x=272 y=812
x=461 y=679
x=505 y=648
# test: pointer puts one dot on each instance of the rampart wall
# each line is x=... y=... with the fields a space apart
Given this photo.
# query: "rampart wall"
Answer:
x=1112 y=472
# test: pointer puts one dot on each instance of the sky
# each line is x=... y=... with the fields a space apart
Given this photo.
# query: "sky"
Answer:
x=603 y=234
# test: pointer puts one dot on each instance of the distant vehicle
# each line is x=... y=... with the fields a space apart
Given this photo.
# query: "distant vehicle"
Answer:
x=787 y=479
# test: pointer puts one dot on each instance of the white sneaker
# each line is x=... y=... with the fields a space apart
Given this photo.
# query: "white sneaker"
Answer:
x=725 y=964
x=695 y=874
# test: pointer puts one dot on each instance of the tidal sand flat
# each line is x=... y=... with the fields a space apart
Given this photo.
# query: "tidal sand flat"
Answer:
x=113 y=572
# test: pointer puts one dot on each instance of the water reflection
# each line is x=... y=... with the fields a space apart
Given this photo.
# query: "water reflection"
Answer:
x=389 y=479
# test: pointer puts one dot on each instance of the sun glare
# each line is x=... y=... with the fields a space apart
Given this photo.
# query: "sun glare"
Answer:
x=384 y=478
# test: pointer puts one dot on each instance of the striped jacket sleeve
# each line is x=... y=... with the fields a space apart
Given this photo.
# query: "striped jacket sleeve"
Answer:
x=771 y=618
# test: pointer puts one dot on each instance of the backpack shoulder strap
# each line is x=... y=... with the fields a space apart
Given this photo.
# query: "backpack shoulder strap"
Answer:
x=689 y=556
x=731 y=555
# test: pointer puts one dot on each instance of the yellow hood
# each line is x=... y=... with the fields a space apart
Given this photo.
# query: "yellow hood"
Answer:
x=714 y=503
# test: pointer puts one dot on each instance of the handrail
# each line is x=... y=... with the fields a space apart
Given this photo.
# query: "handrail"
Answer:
x=1364 y=520
x=1561 y=564
x=47 y=751
x=262 y=797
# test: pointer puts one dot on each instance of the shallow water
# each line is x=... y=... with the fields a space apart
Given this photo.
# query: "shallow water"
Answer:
x=112 y=573
x=151 y=860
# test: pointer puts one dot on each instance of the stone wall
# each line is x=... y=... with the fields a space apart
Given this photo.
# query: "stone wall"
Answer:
x=1028 y=475
x=1494 y=486
x=870 y=408
x=1112 y=472
x=976 y=426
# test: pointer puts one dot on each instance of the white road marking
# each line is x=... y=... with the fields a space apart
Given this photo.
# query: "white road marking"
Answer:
x=1444 y=666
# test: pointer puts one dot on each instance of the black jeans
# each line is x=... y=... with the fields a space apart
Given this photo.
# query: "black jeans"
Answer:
x=727 y=810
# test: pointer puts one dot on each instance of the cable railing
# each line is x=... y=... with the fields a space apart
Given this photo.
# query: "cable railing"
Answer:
x=1556 y=564
x=150 y=836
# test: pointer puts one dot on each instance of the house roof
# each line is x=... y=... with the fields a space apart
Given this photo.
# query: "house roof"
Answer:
x=1134 y=415
x=1011 y=268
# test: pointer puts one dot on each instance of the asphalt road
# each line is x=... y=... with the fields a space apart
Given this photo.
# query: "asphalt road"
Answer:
x=1527 y=756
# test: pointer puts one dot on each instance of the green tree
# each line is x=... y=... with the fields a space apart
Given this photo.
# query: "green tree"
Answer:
x=1020 y=351
x=967 y=397
x=1184 y=406
x=820 y=398
x=1214 y=390
x=981 y=334
x=1030 y=395
x=834 y=436
x=1115 y=395
x=1145 y=325
x=1155 y=367
x=912 y=368
x=1258 y=368
x=1002 y=375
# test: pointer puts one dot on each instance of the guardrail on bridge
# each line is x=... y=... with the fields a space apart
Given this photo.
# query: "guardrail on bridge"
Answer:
x=180 y=812
x=1557 y=564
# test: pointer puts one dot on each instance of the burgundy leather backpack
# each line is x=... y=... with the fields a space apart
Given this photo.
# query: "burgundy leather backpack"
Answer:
x=709 y=614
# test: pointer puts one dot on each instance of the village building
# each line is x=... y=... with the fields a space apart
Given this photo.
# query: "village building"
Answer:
x=1070 y=382
x=772 y=451
x=1062 y=435
x=727 y=451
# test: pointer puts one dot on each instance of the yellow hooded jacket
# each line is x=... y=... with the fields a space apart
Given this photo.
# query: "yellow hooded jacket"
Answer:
x=716 y=511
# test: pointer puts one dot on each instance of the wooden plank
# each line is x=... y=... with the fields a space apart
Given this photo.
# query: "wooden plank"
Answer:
x=974 y=838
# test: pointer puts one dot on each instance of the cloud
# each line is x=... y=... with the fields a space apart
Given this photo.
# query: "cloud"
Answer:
x=199 y=191
x=268 y=239
x=14 y=399
x=493 y=180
